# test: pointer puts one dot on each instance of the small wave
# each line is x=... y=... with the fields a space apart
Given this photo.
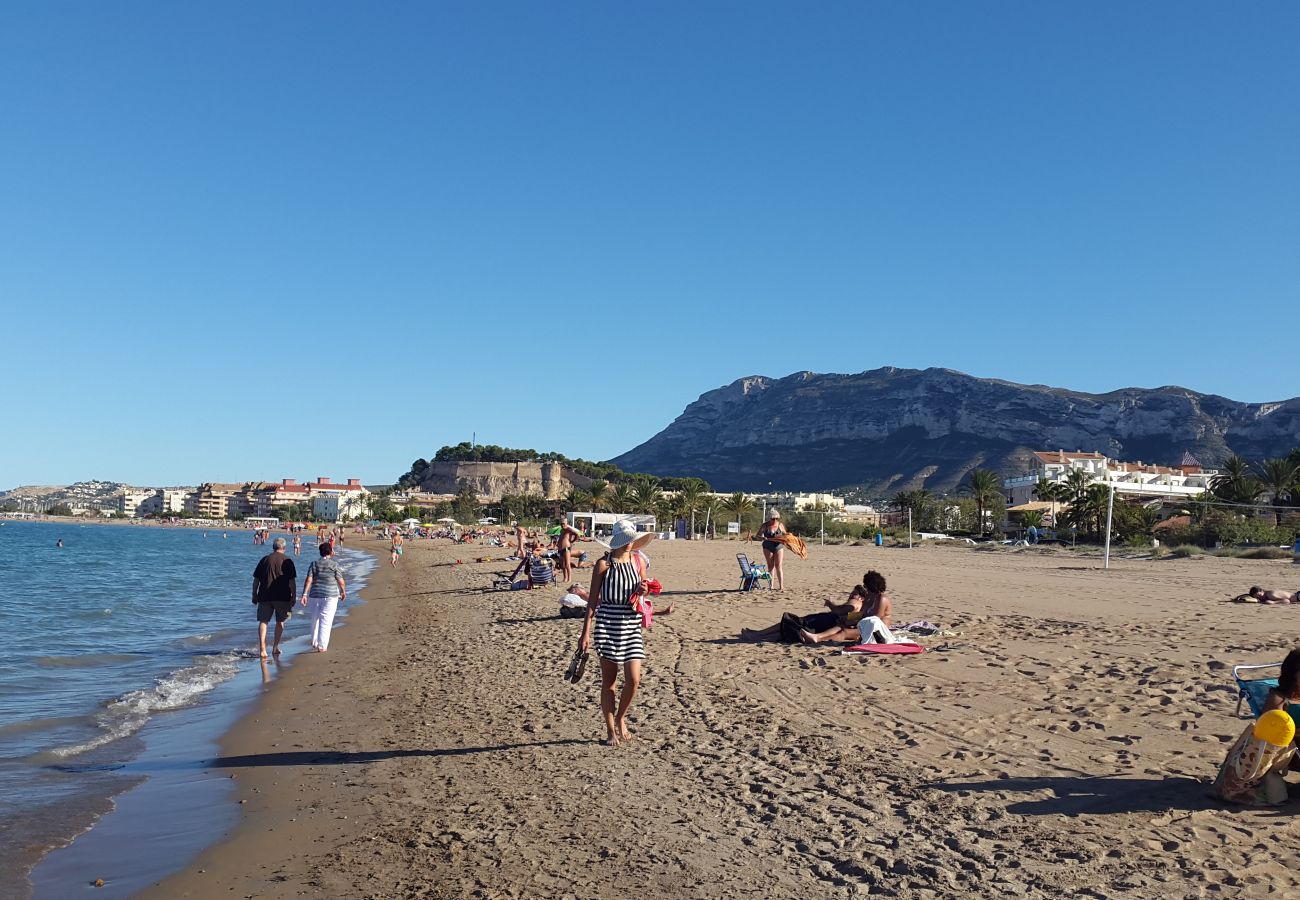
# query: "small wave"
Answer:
x=129 y=713
x=85 y=660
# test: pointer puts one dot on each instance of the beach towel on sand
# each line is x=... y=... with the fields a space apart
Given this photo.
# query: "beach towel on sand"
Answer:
x=902 y=648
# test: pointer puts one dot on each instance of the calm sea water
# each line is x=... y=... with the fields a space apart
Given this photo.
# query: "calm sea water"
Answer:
x=114 y=643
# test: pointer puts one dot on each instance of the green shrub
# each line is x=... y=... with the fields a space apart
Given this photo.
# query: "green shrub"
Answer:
x=1265 y=553
x=1185 y=551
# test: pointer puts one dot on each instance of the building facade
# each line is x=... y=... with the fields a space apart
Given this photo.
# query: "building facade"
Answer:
x=1132 y=479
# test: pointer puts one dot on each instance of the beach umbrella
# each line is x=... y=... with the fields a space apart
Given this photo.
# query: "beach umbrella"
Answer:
x=449 y=520
x=410 y=521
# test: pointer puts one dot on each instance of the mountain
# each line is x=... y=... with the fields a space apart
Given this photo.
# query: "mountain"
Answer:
x=890 y=429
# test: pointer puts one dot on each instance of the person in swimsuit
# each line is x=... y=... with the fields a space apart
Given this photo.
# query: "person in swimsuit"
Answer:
x=1259 y=595
x=395 y=550
x=872 y=608
x=1286 y=696
x=773 y=551
x=615 y=627
x=568 y=534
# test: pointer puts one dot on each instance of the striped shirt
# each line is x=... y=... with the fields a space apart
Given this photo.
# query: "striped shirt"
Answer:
x=324 y=574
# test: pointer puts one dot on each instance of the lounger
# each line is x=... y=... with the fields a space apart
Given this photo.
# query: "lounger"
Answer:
x=1253 y=690
x=752 y=573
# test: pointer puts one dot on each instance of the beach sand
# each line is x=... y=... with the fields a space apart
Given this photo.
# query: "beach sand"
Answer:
x=1065 y=742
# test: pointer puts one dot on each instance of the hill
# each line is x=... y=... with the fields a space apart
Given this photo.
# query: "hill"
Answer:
x=890 y=429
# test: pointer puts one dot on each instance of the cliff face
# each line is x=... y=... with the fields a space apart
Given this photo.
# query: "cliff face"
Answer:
x=891 y=429
x=492 y=480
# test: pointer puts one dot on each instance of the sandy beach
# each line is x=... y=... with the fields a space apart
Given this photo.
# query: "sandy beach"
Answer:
x=1061 y=739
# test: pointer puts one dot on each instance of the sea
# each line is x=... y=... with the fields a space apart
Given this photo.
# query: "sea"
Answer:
x=125 y=654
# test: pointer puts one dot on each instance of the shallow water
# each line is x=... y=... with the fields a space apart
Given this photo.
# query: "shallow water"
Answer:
x=127 y=652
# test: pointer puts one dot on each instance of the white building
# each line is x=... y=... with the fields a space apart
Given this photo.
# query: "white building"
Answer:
x=1137 y=480
x=601 y=524
x=129 y=502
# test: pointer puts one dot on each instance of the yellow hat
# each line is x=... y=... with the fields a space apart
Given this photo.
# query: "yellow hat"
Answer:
x=1275 y=727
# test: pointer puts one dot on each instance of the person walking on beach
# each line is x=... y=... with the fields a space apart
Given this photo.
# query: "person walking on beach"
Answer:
x=275 y=588
x=395 y=551
x=326 y=590
x=617 y=626
x=297 y=544
x=774 y=550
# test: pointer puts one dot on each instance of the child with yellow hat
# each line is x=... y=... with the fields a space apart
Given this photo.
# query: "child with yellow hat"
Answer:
x=1253 y=772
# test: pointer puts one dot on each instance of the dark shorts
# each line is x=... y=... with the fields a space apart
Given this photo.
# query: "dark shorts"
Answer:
x=791 y=624
x=282 y=609
x=772 y=546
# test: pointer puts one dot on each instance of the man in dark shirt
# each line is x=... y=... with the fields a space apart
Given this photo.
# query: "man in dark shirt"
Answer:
x=275 y=588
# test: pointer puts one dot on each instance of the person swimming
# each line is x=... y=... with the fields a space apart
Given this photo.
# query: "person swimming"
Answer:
x=59 y=543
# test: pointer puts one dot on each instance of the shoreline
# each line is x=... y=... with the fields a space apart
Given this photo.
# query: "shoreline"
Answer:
x=272 y=770
x=1061 y=737
x=178 y=806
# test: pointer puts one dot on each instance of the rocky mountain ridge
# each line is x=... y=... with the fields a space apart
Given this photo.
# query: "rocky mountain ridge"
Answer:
x=889 y=429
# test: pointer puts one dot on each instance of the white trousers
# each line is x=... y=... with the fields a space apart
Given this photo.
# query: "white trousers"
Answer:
x=875 y=631
x=322 y=620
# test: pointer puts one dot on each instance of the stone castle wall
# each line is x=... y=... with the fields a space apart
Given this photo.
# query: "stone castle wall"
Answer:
x=492 y=480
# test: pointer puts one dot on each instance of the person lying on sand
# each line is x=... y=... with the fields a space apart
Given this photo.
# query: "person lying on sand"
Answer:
x=1258 y=595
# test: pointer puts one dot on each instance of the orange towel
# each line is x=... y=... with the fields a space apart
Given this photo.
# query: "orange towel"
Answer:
x=795 y=543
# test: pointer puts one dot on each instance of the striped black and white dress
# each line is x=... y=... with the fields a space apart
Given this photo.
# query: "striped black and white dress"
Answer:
x=617 y=632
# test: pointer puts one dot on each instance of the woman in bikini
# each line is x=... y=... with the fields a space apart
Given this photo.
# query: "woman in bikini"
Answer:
x=773 y=550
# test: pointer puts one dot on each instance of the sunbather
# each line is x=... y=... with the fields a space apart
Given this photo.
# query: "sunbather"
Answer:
x=1259 y=595
x=868 y=606
x=791 y=628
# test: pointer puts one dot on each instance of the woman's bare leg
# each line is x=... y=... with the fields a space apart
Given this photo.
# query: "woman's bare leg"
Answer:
x=777 y=568
x=608 y=675
x=631 y=680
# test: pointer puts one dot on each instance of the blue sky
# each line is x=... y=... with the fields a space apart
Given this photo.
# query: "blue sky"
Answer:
x=298 y=239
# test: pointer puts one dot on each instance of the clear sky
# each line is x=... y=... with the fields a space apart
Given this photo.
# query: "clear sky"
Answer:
x=263 y=240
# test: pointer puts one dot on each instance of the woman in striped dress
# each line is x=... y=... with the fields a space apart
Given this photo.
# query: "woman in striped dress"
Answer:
x=617 y=578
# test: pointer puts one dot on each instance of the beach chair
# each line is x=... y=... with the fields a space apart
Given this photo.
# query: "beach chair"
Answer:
x=1253 y=690
x=752 y=573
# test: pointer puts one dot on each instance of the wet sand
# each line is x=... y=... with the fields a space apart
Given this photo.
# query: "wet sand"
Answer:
x=1064 y=742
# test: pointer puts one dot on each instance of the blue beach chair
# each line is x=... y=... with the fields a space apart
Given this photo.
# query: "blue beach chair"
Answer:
x=752 y=573
x=1253 y=690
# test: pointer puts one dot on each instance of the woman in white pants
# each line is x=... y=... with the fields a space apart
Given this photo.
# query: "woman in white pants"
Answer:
x=326 y=590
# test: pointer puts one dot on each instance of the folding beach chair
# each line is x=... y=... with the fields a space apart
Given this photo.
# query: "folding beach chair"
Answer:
x=1253 y=690
x=752 y=573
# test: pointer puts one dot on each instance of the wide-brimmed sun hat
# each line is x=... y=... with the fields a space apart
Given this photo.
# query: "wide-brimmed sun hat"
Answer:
x=625 y=533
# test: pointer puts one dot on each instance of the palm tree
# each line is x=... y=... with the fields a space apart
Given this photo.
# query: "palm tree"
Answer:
x=621 y=500
x=1049 y=492
x=577 y=500
x=711 y=507
x=598 y=490
x=1278 y=477
x=1074 y=490
x=1032 y=518
x=738 y=504
x=689 y=498
x=1235 y=483
x=646 y=494
x=984 y=487
x=917 y=501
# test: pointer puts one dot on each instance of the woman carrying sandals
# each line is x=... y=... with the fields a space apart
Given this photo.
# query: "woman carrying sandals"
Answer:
x=617 y=578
